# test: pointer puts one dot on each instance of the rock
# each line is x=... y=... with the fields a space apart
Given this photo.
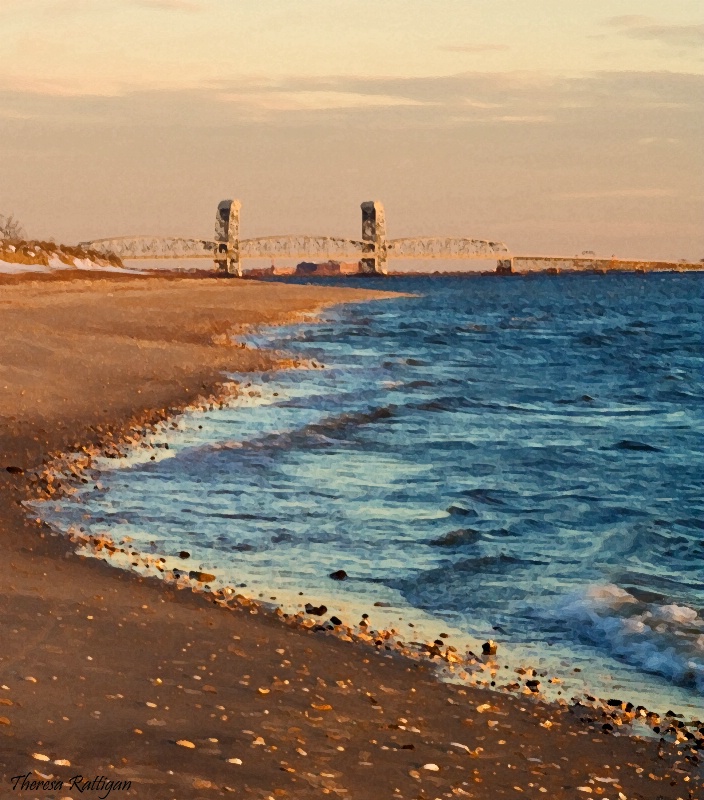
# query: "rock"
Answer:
x=380 y=604
x=15 y=470
x=339 y=575
x=431 y=767
x=489 y=648
x=184 y=554
x=201 y=577
x=316 y=611
x=336 y=620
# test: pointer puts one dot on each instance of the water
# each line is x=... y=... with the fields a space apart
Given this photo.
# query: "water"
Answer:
x=515 y=458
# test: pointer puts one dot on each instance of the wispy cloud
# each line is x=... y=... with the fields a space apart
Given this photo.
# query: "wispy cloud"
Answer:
x=623 y=193
x=636 y=26
x=473 y=48
x=170 y=5
x=502 y=99
x=313 y=100
x=648 y=140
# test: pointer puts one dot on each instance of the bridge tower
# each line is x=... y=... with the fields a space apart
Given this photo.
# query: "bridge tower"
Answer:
x=374 y=238
x=227 y=235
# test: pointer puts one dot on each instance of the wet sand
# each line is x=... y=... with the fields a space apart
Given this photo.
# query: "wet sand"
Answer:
x=128 y=678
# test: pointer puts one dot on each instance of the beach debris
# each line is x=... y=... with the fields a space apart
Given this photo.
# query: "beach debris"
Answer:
x=339 y=575
x=40 y=757
x=186 y=743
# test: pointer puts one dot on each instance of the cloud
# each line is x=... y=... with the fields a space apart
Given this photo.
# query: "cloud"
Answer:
x=630 y=103
x=646 y=140
x=313 y=100
x=633 y=193
x=529 y=118
x=636 y=26
x=629 y=21
x=473 y=48
x=170 y=5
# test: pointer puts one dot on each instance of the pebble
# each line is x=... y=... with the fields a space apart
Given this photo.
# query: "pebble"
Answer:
x=431 y=767
x=186 y=743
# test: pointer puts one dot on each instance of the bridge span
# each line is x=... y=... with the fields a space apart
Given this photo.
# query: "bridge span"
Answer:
x=227 y=249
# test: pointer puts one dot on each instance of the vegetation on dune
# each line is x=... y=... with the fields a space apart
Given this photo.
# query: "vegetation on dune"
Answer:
x=15 y=248
x=11 y=228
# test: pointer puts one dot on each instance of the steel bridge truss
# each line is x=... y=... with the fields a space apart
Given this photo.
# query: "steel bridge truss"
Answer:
x=227 y=249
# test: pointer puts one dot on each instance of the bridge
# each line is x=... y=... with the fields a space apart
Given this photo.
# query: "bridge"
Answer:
x=227 y=250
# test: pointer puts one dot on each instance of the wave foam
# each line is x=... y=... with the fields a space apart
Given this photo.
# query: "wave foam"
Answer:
x=665 y=639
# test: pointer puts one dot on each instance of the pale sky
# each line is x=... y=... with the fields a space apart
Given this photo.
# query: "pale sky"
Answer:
x=555 y=126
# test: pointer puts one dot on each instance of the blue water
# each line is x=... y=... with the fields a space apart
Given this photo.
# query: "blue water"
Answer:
x=514 y=458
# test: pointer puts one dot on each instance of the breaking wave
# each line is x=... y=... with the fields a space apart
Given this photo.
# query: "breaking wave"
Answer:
x=667 y=640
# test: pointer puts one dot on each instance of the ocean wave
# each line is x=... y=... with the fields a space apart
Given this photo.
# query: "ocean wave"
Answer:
x=457 y=538
x=666 y=639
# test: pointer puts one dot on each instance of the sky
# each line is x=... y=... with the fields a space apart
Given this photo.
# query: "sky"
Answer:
x=555 y=126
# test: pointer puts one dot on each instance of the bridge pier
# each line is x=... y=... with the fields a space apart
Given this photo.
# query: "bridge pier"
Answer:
x=227 y=237
x=374 y=238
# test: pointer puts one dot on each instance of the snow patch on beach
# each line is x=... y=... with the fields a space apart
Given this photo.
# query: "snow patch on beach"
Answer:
x=56 y=264
x=664 y=639
x=9 y=268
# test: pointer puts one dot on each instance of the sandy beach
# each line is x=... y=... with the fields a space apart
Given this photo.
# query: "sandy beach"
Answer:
x=105 y=673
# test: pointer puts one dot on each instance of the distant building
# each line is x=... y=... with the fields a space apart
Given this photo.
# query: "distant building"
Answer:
x=326 y=269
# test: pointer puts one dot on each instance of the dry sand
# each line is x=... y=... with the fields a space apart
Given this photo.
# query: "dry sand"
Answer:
x=109 y=671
